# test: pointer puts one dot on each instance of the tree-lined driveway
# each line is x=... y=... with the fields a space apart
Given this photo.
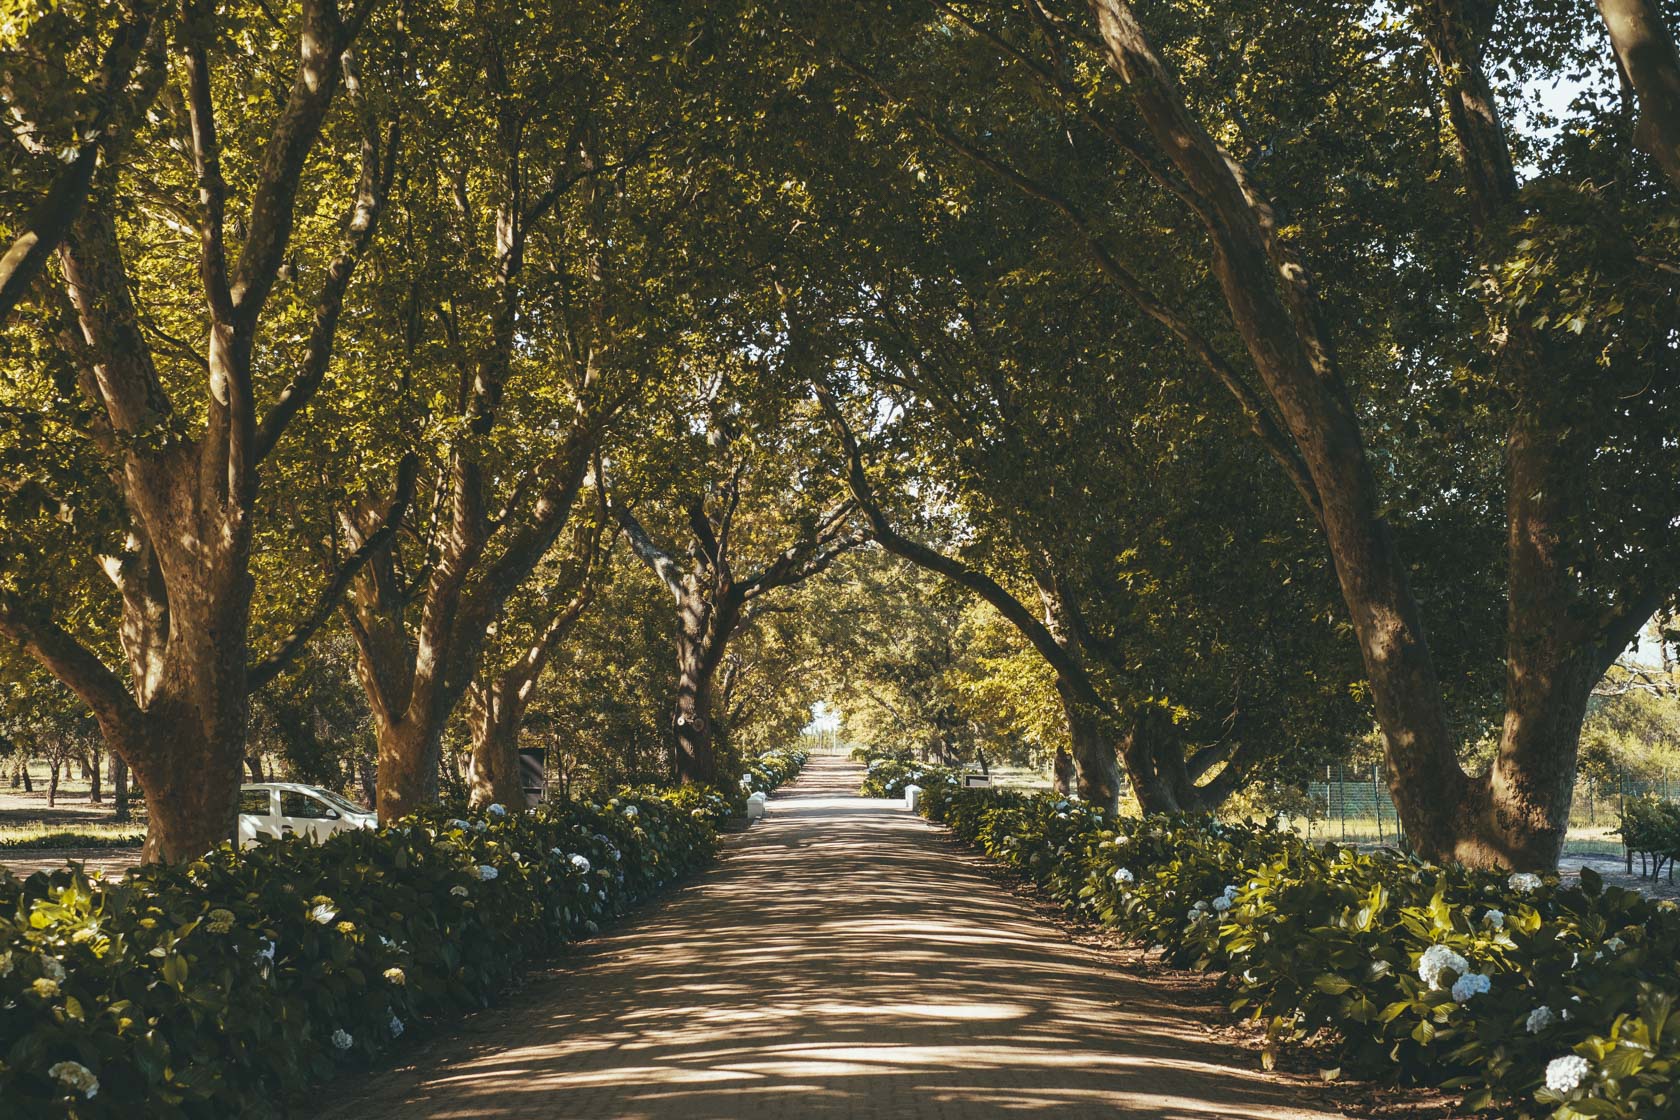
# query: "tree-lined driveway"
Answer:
x=844 y=960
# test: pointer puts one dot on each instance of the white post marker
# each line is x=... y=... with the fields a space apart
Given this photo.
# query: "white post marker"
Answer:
x=755 y=806
x=912 y=797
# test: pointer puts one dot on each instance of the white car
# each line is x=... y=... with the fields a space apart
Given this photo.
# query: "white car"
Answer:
x=290 y=808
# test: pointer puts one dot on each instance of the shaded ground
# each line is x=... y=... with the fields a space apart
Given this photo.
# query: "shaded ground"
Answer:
x=844 y=960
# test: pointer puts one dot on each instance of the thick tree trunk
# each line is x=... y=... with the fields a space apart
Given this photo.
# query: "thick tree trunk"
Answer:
x=410 y=753
x=494 y=719
x=119 y=787
x=1062 y=773
x=1138 y=749
x=692 y=727
x=1651 y=64
x=1096 y=765
x=192 y=795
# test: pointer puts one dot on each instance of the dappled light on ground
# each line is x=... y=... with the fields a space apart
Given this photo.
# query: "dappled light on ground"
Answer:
x=842 y=961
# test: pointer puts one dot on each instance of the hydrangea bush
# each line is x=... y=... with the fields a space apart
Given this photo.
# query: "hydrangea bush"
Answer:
x=772 y=769
x=224 y=986
x=886 y=774
x=1539 y=998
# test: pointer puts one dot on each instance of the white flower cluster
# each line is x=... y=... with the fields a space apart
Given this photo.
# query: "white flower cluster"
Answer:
x=496 y=809
x=323 y=913
x=1566 y=1074
x=632 y=812
x=1124 y=877
x=1540 y=1019
x=1436 y=962
x=580 y=862
x=487 y=873
x=76 y=1077
x=1495 y=919
x=1222 y=903
x=341 y=1039
x=1524 y=881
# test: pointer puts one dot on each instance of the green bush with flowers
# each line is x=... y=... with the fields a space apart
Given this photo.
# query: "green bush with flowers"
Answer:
x=1534 y=997
x=886 y=774
x=224 y=986
x=771 y=769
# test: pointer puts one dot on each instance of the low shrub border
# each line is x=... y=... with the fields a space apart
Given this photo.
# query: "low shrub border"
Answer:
x=773 y=768
x=1534 y=998
x=886 y=775
x=225 y=986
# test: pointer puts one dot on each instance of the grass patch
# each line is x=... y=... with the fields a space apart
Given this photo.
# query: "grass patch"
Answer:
x=36 y=836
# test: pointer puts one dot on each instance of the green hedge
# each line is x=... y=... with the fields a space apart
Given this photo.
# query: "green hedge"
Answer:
x=1539 y=999
x=773 y=768
x=886 y=775
x=224 y=986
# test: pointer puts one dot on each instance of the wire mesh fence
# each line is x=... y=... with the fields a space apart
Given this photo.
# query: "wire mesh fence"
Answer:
x=1351 y=804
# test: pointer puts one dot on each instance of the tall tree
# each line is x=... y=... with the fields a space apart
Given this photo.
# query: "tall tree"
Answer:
x=1546 y=314
x=178 y=429
x=717 y=596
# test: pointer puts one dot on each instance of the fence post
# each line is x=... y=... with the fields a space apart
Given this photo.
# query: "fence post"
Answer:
x=1376 y=802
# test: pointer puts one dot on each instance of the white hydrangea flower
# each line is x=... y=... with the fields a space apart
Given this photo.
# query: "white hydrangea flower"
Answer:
x=75 y=1077
x=487 y=873
x=1495 y=919
x=1124 y=877
x=632 y=812
x=1470 y=985
x=1566 y=1074
x=1221 y=903
x=1540 y=1018
x=53 y=970
x=581 y=862
x=1614 y=945
x=460 y=824
x=1231 y=893
x=341 y=1039
x=323 y=913
x=1436 y=962
x=496 y=809
x=1524 y=881
x=458 y=891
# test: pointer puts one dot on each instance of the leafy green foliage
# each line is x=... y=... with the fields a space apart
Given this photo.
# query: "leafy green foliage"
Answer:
x=1652 y=826
x=1388 y=952
x=886 y=774
x=216 y=988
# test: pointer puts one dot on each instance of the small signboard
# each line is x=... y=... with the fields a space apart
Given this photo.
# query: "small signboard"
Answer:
x=976 y=781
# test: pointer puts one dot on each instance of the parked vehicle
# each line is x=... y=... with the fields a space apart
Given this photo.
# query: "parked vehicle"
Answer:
x=291 y=808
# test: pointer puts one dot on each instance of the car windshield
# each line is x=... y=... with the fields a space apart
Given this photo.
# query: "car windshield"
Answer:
x=342 y=804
